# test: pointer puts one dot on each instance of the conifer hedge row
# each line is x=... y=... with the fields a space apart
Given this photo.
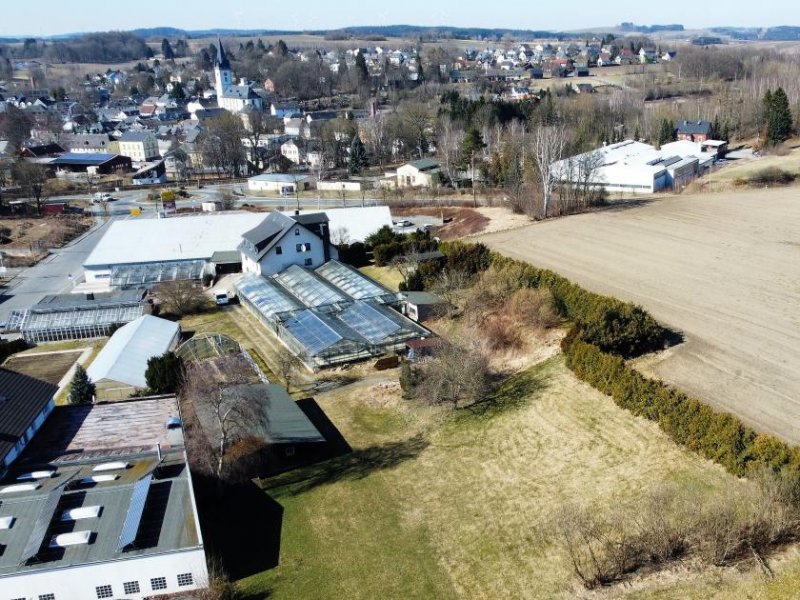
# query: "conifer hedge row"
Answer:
x=605 y=332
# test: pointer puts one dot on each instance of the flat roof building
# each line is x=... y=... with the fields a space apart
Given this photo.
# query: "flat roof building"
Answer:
x=633 y=167
x=101 y=506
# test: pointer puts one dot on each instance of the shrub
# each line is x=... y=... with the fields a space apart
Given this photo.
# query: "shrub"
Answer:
x=501 y=333
x=9 y=347
x=533 y=307
x=772 y=176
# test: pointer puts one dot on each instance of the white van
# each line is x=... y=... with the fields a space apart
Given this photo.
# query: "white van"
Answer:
x=102 y=197
x=221 y=297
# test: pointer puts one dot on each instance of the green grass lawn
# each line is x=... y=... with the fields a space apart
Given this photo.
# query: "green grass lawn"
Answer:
x=436 y=505
x=387 y=276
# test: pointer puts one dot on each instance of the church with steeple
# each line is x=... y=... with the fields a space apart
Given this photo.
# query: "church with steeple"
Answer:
x=232 y=97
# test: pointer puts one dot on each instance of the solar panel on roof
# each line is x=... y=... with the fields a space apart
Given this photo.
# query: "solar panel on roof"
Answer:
x=133 y=518
x=39 y=530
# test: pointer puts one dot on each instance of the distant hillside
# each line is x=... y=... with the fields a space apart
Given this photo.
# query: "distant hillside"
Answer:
x=633 y=28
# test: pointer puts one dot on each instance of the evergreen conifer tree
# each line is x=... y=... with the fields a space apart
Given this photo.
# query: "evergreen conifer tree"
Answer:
x=81 y=389
x=358 y=156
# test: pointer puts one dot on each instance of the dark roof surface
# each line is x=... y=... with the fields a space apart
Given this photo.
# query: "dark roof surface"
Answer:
x=221 y=60
x=22 y=399
x=424 y=164
x=280 y=420
x=82 y=158
x=694 y=127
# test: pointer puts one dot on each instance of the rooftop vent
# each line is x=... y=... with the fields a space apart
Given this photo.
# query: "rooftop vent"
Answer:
x=70 y=539
x=84 y=512
x=111 y=466
x=37 y=475
x=6 y=522
x=20 y=487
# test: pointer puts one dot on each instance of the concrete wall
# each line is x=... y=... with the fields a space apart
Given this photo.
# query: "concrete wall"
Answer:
x=80 y=582
x=336 y=186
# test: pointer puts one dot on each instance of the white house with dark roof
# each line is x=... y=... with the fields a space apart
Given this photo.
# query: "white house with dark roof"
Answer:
x=232 y=97
x=280 y=241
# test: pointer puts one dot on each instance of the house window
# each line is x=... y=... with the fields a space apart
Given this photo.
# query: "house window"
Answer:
x=297 y=231
x=131 y=587
x=308 y=262
x=299 y=247
x=158 y=583
x=47 y=597
x=185 y=579
x=104 y=591
x=278 y=250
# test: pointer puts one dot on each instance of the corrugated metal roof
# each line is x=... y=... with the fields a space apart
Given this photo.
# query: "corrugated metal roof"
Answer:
x=124 y=358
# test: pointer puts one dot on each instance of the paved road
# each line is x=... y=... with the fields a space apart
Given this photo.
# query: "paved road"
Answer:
x=51 y=276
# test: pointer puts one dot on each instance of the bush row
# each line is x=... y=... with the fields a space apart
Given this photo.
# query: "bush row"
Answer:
x=620 y=328
x=607 y=331
x=718 y=436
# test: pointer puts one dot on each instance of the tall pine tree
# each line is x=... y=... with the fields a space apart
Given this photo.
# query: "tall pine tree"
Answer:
x=778 y=116
x=358 y=156
x=81 y=389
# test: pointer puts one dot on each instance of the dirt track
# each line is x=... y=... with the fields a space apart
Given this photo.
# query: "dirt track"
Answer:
x=724 y=269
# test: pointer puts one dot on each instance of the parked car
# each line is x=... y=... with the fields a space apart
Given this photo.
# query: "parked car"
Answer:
x=102 y=197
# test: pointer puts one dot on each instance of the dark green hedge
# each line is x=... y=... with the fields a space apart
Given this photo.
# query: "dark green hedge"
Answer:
x=718 y=436
x=607 y=331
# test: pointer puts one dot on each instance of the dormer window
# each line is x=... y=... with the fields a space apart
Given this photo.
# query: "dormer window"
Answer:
x=297 y=231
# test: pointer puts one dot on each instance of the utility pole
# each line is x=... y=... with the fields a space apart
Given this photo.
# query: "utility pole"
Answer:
x=472 y=168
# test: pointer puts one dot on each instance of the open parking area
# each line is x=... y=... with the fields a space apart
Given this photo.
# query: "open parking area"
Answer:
x=724 y=269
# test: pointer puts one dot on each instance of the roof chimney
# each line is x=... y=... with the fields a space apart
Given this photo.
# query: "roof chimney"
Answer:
x=296 y=212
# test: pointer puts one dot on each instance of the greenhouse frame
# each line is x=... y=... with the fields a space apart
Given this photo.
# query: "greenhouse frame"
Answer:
x=59 y=318
x=330 y=316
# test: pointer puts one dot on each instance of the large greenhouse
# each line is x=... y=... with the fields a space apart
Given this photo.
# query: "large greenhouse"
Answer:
x=329 y=316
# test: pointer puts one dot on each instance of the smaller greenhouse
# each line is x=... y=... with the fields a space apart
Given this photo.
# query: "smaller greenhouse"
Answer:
x=58 y=318
x=138 y=274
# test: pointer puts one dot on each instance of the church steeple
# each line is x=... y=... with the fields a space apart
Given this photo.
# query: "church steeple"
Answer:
x=223 y=74
x=221 y=61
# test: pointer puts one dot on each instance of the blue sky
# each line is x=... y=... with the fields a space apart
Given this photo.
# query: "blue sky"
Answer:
x=57 y=16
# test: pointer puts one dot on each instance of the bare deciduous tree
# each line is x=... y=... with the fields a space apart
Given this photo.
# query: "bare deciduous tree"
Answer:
x=548 y=148
x=181 y=297
x=457 y=375
x=210 y=387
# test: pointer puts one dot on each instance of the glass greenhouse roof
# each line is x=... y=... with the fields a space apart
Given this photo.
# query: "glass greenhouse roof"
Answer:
x=266 y=295
x=368 y=322
x=310 y=288
x=354 y=283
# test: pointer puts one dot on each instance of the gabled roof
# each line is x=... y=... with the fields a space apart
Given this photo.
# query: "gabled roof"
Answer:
x=281 y=419
x=124 y=358
x=425 y=164
x=693 y=127
x=135 y=136
x=22 y=399
x=264 y=236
